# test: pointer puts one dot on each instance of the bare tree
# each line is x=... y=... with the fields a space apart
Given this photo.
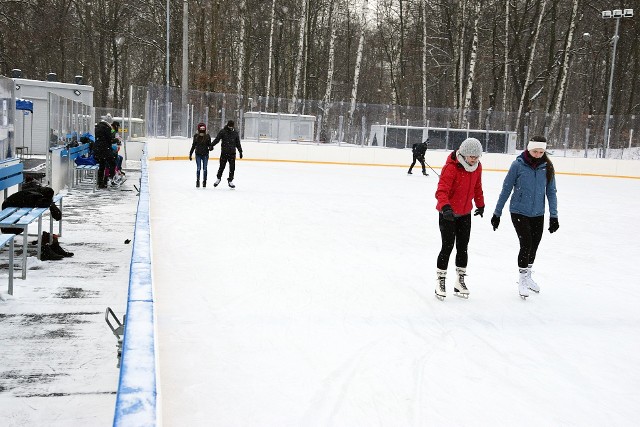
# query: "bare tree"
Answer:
x=356 y=72
x=241 y=49
x=330 y=60
x=505 y=87
x=271 y=25
x=472 y=64
x=556 y=109
x=298 y=67
x=532 y=50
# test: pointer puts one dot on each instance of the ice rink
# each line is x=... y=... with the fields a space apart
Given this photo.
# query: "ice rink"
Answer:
x=305 y=297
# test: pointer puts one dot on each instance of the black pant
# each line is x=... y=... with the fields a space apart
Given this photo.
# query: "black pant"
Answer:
x=529 y=230
x=455 y=232
x=107 y=162
x=421 y=160
x=224 y=158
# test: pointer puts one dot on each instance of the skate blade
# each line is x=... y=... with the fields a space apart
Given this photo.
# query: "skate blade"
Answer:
x=461 y=295
x=524 y=297
x=533 y=290
x=440 y=297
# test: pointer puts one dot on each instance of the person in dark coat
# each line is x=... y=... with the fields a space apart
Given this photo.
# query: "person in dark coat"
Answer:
x=201 y=145
x=103 y=151
x=230 y=142
x=419 y=151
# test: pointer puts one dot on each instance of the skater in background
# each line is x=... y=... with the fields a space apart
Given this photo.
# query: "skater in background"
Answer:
x=531 y=177
x=419 y=151
x=230 y=142
x=460 y=183
x=117 y=175
x=201 y=145
x=103 y=151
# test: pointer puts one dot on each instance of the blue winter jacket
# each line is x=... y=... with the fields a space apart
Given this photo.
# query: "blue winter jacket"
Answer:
x=529 y=186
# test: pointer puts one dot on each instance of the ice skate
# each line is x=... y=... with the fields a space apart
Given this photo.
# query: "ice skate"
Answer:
x=215 y=184
x=204 y=184
x=409 y=173
x=441 y=290
x=460 y=288
x=425 y=173
x=231 y=184
x=198 y=184
x=523 y=284
x=533 y=286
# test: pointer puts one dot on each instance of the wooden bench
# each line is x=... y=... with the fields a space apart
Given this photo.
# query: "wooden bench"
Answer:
x=80 y=172
x=4 y=240
x=22 y=218
x=14 y=217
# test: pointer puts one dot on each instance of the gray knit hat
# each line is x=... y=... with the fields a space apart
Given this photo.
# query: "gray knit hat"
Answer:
x=470 y=147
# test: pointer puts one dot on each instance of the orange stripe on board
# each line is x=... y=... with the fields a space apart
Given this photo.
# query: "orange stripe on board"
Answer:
x=384 y=165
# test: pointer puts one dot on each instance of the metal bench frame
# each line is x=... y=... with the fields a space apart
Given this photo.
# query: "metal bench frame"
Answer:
x=4 y=240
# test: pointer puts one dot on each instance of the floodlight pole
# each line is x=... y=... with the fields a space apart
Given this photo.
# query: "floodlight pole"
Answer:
x=605 y=146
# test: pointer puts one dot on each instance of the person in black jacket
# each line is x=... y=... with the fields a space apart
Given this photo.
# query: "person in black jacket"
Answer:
x=201 y=145
x=230 y=142
x=103 y=151
x=418 y=154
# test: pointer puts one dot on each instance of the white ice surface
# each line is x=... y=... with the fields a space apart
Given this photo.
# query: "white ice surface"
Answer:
x=305 y=297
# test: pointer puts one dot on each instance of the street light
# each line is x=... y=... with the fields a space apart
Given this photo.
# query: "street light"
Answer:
x=616 y=14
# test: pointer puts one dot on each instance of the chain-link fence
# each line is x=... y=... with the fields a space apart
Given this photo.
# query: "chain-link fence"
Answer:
x=170 y=112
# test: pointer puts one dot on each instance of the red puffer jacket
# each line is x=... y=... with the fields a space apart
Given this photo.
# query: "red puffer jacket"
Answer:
x=457 y=187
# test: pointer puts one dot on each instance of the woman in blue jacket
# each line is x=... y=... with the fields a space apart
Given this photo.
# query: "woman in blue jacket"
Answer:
x=531 y=177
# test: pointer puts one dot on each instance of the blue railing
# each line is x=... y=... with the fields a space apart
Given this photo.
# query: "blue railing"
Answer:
x=137 y=399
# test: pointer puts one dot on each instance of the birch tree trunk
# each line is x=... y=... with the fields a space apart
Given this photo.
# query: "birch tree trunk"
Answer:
x=330 y=64
x=527 y=80
x=424 y=63
x=564 y=70
x=460 y=82
x=472 y=64
x=241 y=50
x=273 y=14
x=356 y=74
x=298 y=71
x=506 y=58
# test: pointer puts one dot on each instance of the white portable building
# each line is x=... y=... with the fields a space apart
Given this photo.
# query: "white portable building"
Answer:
x=36 y=132
x=279 y=127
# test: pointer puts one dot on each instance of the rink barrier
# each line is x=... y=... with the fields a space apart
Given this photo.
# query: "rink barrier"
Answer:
x=178 y=149
x=137 y=399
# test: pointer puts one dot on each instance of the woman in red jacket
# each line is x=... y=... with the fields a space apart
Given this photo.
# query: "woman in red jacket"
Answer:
x=460 y=183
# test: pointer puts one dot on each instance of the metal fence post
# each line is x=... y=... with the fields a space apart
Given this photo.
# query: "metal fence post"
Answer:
x=566 y=137
x=586 y=142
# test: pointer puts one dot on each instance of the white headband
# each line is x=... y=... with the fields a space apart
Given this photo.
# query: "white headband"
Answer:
x=536 y=145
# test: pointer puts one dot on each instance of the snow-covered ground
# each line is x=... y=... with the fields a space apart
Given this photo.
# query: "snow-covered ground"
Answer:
x=57 y=354
x=305 y=297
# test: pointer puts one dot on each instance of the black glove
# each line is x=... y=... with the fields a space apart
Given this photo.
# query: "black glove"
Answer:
x=479 y=211
x=553 y=225
x=190 y=158
x=495 y=222
x=447 y=213
x=56 y=213
x=211 y=148
x=240 y=155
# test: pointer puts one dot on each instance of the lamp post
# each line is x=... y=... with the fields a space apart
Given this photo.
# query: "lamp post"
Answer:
x=617 y=14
